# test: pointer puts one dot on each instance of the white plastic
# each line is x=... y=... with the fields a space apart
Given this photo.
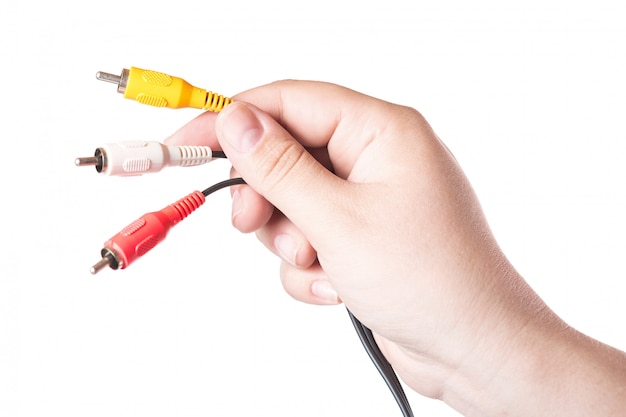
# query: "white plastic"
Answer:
x=136 y=157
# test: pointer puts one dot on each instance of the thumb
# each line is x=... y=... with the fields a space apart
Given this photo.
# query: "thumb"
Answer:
x=279 y=168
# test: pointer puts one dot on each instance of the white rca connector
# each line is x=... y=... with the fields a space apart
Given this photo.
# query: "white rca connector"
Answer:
x=137 y=157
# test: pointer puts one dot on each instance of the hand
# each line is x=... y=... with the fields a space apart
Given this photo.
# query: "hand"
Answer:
x=365 y=204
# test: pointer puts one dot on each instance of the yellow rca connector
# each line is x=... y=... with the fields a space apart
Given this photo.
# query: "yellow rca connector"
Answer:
x=161 y=90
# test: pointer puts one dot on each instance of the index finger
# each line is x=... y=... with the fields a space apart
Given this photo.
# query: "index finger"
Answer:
x=309 y=110
x=315 y=113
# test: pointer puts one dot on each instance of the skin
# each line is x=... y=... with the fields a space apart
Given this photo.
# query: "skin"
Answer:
x=366 y=206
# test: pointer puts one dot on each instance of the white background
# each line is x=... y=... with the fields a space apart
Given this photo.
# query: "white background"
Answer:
x=530 y=96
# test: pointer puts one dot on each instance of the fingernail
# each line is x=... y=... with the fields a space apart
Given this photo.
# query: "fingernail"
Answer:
x=241 y=127
x=323 y=290
x=287 y=248
x=237 y=208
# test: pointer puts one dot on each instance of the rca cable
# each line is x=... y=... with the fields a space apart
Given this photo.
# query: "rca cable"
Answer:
x=133 y=158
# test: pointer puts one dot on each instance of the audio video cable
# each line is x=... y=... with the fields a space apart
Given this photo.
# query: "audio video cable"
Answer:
x=140 y=157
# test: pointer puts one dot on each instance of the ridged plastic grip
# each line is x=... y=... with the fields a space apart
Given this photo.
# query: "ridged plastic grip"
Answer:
x=216 y=102
x=186 y=206
x=194 y=155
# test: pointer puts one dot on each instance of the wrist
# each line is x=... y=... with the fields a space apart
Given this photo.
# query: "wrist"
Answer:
x=492 y=379
x=538 y=366
x=473 y=340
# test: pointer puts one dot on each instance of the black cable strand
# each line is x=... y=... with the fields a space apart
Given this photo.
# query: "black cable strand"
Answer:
x=223 y=184
x=365 y=335
x=383 y=366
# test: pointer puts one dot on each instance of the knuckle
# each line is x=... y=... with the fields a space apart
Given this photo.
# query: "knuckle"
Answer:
x=277 y=163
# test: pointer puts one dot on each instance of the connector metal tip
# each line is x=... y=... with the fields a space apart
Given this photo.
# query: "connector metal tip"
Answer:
x=87 y=161
x=109 y=258
x=110 y=78
x=100 y=265
x=120 y=80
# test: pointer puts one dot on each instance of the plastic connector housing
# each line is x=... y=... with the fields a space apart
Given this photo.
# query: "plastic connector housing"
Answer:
x=142 y=235
x=129 y=158
x=140 y=157
x=162 y=90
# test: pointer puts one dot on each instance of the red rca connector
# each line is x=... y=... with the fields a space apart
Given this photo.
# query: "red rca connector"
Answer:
x=136 y=239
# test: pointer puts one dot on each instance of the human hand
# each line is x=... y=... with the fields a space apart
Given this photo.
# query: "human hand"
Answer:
x=365 y=204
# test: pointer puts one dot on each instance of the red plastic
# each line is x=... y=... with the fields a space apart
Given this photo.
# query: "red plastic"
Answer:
x=136 y=239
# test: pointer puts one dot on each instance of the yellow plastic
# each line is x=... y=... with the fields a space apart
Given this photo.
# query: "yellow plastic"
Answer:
x=161 y=90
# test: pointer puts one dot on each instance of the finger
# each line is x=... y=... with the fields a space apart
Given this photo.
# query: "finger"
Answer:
x=200 y=131
x=317 y=114
x=250 y=210
x=324 y=115
x=309 y=285
x=284 y=239
x=313 y=119
x=275 y=165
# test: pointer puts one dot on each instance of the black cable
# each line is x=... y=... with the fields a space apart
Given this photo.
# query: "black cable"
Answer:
x=218 y=154
x=365 y=335
x=223 y=184
x=383 y=366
